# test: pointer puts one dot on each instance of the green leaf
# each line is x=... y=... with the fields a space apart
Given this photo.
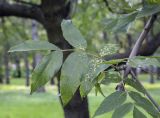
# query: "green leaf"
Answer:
x=73 y=35
x=109 y=24
x=120 y=24
x=140 y=61
x=135 y=84
x=153 y=1
x=148 y=10
x=72 y=72
x=111 y=102
x=108 y=49
x=101 y=76
x=98 y=89
x=122 y=110
x=46 y=69
x=137 y=113
x=32 y=45
x=85 y=87
x=111 y=77
x=144 y=103
x=124 y=21
x=95 y=68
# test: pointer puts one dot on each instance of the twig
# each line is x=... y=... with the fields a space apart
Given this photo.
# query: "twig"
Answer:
x=134 y=53
x=140 y=41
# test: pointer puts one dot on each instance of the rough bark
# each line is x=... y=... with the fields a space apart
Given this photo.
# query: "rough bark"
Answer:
x=77 y=108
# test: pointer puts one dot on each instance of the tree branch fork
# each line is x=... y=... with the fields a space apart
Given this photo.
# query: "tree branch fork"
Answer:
x=128 y=70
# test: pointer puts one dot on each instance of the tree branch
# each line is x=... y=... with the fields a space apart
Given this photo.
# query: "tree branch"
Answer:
x=147 y=49
x=139 y=42
x=27 y=3
x=133 y=53
x=20 y=10
x=143 y=35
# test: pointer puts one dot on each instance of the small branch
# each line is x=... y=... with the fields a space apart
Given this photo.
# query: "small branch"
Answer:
x=147 y=49
x=139 y=42
x=134 y=52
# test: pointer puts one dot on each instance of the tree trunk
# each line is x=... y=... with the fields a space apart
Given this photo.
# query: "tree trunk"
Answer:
x=158 y=73
x=6 y=64
x=27 y=71
x=18 y=67
x=52 y=81
x=151 y=77
x=1 y=72
x=1 y=76
x=129 y=40
x=78 y=107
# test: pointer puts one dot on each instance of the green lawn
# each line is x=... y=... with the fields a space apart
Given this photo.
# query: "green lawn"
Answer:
x=15 y=101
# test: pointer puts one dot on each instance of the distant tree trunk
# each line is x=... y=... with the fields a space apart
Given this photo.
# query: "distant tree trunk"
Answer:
x=158 y=73
x=18 y=67
x=151 y=77
x=6 y=64
x=1 y=80
x=105 y=38
x=118 y=41
x=52 y=81
x=27 y=71
x=129 y=38
x=1 y=76
x=37 y=57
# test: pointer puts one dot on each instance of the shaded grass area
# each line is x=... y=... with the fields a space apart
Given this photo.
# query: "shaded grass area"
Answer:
x=15 y=101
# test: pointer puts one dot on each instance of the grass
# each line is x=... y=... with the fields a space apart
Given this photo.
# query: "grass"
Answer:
x=15 y=101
